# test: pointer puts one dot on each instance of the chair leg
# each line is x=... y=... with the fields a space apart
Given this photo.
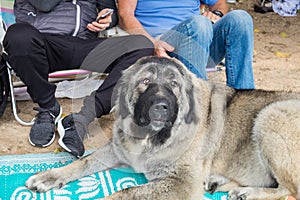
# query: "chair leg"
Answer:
x=13 y=100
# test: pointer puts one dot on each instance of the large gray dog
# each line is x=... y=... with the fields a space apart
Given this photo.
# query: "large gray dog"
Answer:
x=182 y=132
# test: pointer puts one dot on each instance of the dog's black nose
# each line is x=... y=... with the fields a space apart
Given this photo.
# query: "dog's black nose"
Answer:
x=161 y=107
x=159 y=110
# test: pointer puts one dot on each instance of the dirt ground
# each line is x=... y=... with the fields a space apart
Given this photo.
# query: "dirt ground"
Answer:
x=276 y=67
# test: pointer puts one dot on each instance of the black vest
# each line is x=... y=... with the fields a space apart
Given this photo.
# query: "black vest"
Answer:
x=66 y=17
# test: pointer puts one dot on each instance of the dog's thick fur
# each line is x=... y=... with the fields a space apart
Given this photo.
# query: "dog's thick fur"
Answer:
x=182 y=132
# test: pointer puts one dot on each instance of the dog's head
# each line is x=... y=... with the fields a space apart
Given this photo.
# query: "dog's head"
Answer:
x=156 y=93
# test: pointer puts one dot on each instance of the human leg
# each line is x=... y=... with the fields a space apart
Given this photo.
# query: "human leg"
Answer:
x=191 y=39
x=33 y=55
x=24 y=45
x=233 y=39
x=101 y=101
x=27 y=56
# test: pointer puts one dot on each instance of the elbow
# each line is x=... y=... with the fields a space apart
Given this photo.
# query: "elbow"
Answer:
x=125 y=18
x=122 y=22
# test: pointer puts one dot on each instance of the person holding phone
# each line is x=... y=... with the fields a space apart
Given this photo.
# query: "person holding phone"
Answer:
x=42 y=41
x=200 y=40
x=102 y=21
x=103 y=16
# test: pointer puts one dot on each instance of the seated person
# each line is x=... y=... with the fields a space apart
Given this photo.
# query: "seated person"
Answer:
x=200 y=41
x=44 y=40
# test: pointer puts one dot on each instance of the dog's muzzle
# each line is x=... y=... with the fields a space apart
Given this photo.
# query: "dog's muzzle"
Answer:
x=158 y=112
x=156 y=107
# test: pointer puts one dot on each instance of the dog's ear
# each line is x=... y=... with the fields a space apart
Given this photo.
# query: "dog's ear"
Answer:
x=123 y=108
x=121 y=101
x=119 y=95
x=124 y=88
x=191 y=115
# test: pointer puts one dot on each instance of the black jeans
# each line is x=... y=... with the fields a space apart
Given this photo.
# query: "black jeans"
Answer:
x=33 y=55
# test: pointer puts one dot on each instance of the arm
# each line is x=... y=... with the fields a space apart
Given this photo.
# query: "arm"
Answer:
x=128 y=21
x=131 y=24
x=221 y=5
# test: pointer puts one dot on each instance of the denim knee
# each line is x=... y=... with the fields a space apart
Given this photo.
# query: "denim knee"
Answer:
x=191 y=39
x=240 y=18
x=200 y=25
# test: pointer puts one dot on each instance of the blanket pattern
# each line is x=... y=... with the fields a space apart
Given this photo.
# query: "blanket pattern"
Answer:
x=16 y=169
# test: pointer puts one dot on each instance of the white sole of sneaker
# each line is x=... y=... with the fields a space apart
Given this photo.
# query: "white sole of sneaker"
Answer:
x=61 y=132
x=53 y=138
x=45 y=145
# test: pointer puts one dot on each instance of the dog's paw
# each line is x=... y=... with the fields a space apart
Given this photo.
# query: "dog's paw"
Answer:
x=44 y=181
x=214 y=182
x=210 y=186
x=238 y=194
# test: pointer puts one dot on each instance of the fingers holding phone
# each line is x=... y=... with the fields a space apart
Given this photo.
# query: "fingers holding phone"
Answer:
x=102 y=21
x=105 y=13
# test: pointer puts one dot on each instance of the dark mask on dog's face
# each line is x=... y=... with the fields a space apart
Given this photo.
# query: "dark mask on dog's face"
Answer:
x=157 y=107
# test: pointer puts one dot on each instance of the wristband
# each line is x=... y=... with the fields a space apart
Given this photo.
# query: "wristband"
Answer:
x=218 y=13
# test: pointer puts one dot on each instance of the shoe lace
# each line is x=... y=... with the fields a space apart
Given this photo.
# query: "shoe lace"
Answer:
x=72 y=127
x=44 y=115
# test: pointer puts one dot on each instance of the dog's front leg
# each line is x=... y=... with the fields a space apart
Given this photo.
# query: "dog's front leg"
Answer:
x=103 y=158
x=166 y=189
x=219 y=183
x=255 y=193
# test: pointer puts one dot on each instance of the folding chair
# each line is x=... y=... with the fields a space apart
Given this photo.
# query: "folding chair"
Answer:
x=53 y=77
x=13 y=100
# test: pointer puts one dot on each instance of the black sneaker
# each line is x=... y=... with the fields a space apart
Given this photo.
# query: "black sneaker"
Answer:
x=42 y=132
x=72 y=130
x=264 y=7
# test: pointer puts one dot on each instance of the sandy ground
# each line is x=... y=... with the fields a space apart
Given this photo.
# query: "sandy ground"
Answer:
x=276 y=67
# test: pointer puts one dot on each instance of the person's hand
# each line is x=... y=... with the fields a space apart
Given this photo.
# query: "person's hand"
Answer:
x=161 y=48
x=213 y=18
x=101 y=24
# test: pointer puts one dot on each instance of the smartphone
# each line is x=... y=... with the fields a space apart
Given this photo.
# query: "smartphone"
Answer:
x=104 y=15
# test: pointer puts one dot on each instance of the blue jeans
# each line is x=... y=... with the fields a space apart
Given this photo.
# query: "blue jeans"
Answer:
x=199 y=44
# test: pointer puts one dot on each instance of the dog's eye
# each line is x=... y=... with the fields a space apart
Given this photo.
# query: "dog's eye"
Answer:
x=146 y=81
x=174 y=83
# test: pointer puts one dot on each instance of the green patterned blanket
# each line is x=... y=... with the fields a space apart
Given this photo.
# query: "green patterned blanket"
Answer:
x=16 y=169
